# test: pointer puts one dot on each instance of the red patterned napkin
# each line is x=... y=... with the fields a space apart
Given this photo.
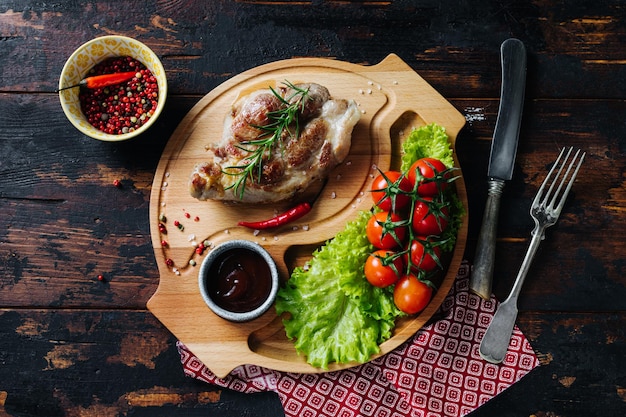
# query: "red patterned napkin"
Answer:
x=438 y=372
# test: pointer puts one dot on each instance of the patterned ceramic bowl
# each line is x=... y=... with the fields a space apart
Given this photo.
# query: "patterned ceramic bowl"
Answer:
x=85 y=58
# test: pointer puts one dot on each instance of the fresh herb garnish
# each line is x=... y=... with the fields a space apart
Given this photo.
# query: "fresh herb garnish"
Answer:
x=283 y=122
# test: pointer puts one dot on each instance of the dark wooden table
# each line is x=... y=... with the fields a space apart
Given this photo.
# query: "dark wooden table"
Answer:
x=72 y=345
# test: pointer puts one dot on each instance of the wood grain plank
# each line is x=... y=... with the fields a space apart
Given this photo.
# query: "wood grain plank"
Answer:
x=103 y=363
x=58 y=236
x=455 y=48
x=581 y=356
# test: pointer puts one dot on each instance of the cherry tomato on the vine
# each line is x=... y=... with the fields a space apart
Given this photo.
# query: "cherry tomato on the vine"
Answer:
x=384 y=231
x=429 y=168
x=383 y=268
x=390 y=191
x=423 y=255
x=430 y=218
x=411 y=295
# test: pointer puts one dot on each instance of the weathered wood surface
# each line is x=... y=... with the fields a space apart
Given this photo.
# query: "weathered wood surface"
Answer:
x=71 y=345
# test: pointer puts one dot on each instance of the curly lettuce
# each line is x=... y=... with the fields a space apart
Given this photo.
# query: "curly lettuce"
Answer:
x=430 y=141
x=335 y=314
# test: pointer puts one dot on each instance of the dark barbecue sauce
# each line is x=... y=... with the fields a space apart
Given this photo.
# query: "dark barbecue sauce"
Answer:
x=239 y=280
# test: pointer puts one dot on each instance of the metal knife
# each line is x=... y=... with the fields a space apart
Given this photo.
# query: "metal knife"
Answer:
x=502 y=160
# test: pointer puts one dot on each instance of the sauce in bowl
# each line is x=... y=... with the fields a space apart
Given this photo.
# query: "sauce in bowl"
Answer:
x=239 y=280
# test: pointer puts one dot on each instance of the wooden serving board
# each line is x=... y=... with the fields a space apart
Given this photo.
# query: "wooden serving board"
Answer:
x=393 y=99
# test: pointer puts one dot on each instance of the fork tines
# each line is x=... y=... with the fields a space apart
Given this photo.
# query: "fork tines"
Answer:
x=551 y=205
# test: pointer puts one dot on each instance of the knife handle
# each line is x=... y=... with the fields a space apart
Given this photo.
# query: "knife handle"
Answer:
x=482 y=273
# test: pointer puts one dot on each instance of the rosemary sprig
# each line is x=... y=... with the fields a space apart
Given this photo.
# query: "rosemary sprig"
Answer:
x=271 y=136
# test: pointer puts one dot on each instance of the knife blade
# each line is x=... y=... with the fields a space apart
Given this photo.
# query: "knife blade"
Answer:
x=501 y=160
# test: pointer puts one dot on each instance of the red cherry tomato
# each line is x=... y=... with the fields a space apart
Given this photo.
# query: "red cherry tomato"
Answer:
x=411 y=295
x=429 y=168
x=383 y=268
x=430 y=218
x=390 y=191
x=383 y=231
x=422 y=254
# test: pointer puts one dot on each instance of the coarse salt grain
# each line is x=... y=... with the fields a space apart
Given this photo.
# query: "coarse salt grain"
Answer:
x=305 y=227
x=333 y=195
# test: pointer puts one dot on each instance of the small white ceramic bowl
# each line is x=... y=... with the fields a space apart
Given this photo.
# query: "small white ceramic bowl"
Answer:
x=228 y=254
x=89 y=55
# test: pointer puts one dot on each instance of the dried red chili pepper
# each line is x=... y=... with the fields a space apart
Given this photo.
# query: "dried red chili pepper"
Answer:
x=105 y=80
x=283 y=218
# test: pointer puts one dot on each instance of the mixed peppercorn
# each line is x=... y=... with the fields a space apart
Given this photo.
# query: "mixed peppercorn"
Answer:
x=124 y=107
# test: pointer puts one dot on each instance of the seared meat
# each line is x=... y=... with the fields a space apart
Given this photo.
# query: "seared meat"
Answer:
x=307 y=147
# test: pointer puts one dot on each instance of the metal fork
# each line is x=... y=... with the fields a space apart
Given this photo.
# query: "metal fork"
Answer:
x=545 y=210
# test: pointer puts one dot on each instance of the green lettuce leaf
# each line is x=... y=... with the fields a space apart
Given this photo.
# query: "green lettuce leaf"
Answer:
x=430 y=141
x=335 y=314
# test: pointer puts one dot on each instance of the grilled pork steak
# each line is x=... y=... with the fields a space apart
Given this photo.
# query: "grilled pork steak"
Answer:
x=309 y=134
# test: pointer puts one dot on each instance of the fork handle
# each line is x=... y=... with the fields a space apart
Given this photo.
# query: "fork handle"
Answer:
x=482 y=273
x=497 y=338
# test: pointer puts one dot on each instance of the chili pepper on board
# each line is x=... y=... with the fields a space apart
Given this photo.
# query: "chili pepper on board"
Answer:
x=105 y=80
x=283 y=218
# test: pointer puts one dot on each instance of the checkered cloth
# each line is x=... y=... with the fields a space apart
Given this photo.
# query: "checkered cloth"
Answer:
x=437 y=372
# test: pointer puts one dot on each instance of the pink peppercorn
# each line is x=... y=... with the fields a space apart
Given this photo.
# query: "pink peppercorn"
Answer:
x=121 y=108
